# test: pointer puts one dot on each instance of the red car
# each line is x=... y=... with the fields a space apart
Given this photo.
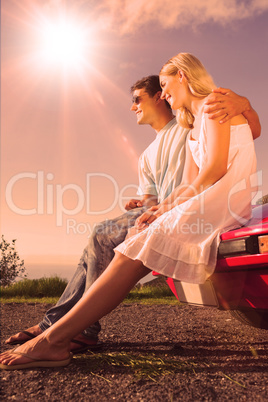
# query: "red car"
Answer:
x=240 y=280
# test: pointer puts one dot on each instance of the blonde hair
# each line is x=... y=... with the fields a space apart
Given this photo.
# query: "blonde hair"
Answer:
x=200 y=83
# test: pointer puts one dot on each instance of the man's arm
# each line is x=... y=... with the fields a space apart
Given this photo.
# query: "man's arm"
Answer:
x=147 y=200
x=225 y=104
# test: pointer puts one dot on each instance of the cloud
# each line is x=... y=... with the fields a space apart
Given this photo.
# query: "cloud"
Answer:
x=127 y=16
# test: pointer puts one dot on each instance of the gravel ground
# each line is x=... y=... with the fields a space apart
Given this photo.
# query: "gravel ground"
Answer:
x=194 y=354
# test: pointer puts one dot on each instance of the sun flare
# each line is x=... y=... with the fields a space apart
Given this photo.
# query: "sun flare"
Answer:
x=64 y=43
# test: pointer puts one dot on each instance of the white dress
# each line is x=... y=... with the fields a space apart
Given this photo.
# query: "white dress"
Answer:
x=182 y=243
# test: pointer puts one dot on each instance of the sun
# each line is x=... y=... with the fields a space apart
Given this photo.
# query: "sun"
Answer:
x=64 y=43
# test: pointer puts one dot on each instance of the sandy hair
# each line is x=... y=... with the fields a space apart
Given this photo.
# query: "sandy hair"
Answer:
x=199 y=81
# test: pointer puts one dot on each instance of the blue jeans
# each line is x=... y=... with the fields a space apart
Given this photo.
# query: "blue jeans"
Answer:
x=95 y=259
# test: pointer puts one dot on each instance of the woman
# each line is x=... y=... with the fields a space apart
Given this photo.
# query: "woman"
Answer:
x=178 y=237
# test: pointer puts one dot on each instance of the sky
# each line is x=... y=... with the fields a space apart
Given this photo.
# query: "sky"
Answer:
x=69 y=142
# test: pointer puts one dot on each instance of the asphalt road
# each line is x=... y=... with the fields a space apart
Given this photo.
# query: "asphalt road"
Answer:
x=150 y=353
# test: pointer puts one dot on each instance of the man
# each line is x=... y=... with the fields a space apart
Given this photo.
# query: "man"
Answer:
x=160 y=171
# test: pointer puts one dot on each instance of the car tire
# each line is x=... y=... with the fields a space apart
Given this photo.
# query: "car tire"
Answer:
x=253 y=317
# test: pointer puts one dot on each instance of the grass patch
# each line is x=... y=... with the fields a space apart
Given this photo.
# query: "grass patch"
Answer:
x=147 y=292
x=141 y=366
x=48 y=290
x=37 y=288
x=171 y=300
x=150 y=294
x=30 y=300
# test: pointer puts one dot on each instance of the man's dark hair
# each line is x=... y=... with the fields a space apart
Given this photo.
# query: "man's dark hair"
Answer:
x=150 y=84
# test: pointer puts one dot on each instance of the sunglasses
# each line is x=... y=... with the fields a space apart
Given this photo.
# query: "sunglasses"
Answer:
x=137 y=99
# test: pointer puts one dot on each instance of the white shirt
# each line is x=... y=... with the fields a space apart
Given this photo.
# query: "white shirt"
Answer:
x=161 y=164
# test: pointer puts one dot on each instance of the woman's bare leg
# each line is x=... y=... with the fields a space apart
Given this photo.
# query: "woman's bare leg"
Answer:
x=105 y=294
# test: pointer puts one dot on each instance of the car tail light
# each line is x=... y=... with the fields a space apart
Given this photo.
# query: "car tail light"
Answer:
x=241 y=246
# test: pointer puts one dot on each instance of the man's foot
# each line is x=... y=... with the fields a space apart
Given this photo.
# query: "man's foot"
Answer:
x=82 y=343
x=24 y=336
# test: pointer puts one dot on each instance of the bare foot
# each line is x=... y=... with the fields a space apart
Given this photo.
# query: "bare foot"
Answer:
x=39 y=348
x=22 y=337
